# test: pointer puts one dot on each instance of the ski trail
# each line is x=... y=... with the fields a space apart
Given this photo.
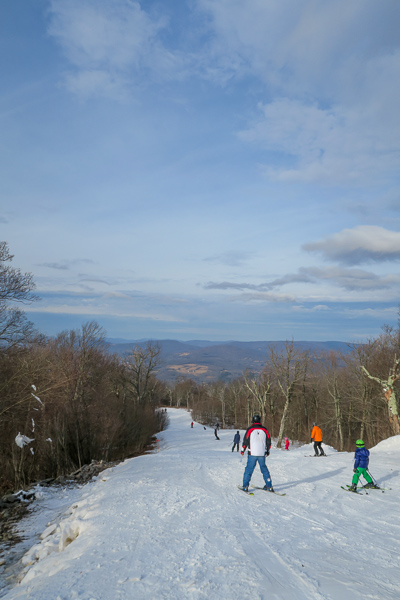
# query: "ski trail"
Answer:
x=173 y=525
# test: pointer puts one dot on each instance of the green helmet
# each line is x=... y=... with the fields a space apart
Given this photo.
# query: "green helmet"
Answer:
x=360 y=444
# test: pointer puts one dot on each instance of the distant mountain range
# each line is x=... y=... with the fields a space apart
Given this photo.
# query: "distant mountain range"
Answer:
x=205 y=361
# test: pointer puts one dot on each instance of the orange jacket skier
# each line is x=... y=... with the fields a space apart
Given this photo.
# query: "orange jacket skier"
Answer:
x=316 y=437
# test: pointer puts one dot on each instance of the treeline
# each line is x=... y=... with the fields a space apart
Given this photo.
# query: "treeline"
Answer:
x=351 y=395
x=64 y=400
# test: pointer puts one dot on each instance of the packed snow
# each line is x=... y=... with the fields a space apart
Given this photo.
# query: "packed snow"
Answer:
x=172 y=525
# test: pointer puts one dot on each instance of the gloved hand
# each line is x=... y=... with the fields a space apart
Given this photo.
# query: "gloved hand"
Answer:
x=267 y=453
x=355 y=470
x=242 y=452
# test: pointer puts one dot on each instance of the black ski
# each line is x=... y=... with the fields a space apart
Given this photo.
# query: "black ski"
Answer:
x=347 y=489
x=245 y=491
x=261 y=488
x=314 y=455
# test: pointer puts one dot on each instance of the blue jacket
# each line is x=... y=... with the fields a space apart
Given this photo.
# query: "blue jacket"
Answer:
x=236 y=439
x=361 y=458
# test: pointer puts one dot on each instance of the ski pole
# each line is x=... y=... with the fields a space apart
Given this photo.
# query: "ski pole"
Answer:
x=372 y=477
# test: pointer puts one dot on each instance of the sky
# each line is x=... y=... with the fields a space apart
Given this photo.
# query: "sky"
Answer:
x=204 y=169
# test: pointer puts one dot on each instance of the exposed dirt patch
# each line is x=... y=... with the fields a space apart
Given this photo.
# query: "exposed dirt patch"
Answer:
x=189 y=369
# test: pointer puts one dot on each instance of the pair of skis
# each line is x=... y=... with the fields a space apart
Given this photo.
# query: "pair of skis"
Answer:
x=314 y=455
x=258 y=488
x=348 y=488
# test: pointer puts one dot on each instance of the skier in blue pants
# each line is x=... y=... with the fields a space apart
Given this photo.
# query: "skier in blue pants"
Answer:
x=258 y=442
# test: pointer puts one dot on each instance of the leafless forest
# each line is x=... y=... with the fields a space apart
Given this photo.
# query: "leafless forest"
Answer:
x=349 y=396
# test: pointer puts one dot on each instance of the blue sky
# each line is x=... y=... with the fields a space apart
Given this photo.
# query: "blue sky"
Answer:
x=204 y=169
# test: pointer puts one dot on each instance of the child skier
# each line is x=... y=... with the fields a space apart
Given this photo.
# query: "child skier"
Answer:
x=360 y=467
x=236 y=441
x=287 y=443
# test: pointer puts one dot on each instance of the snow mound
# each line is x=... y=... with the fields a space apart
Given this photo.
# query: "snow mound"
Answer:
x=392 y=444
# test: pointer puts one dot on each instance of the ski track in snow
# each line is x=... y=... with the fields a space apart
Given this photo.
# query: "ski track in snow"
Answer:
x=172 y=525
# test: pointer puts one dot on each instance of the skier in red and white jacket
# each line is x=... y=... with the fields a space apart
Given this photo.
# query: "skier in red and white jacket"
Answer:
x=258 y=442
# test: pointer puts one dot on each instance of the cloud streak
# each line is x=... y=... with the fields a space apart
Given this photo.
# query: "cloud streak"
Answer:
x=346 y=279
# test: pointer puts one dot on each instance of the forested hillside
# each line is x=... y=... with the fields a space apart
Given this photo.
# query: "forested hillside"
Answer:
x=208 y=361
x=350 y=394
x=65 y=400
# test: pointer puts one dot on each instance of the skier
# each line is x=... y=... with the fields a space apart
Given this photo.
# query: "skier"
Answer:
x=316 y=437
x=258 y=442
x=361 y=461
x=191 y=425
x=236 y=441
x=216 y=430
x=287 y=444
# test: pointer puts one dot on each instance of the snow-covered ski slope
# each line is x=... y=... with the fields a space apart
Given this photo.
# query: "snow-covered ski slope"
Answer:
x=173 y=525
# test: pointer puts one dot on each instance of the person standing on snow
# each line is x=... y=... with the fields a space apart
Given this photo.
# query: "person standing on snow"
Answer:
x=287 y=444
x=236 y=441
x=361 y=461
x=216 y=430
x=316 y=437
x=191 y=425
x=258 y=442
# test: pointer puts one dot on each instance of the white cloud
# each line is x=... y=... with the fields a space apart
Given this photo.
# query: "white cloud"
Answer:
x=331 y=83
x=93 y=33
x=336 y=145
x=261 y=297
x=304 y=46
x=362 y=244
x=111 y=44
x=313 y=309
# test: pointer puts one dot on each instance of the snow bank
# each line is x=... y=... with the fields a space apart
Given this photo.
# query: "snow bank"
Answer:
x=391 y=445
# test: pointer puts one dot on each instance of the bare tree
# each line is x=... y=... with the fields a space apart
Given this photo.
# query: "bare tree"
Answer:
x=15 y=286
x=288 y=367
x=387 y=386
x=332 y=385
x=142 y=363
x=259 y=389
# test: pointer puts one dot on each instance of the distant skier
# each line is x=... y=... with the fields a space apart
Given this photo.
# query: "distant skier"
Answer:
x=361 y=461
x=258 y=442
x=216 y=430
x=287 y=444
x=316 y=437
x=191 y=425
x=236 y=442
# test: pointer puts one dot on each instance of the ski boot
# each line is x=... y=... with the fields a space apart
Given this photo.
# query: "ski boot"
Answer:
x=371 y=486
x=353 y=488
x=268 y=489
